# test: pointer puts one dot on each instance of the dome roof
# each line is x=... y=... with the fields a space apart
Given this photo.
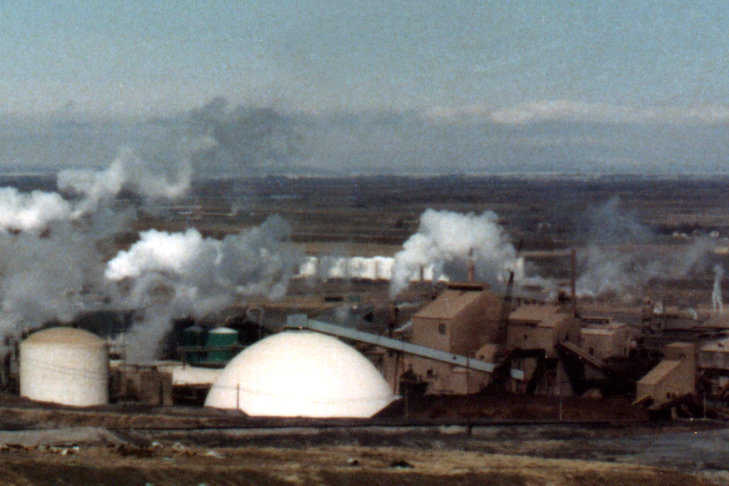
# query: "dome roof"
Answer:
x=223 y=330
x=301 y=374
x=66 y=336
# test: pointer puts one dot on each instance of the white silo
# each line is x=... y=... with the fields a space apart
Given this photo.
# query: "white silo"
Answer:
x=66 y=366
x=301 y=374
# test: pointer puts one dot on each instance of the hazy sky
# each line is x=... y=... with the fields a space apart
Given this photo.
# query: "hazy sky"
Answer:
x=137 y=55
x=505 y=63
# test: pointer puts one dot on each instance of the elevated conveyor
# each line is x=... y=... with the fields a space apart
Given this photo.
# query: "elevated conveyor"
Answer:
x=301 y=321
x=584 y=355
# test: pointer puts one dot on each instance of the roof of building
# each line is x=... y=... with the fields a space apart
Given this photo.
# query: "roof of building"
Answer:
x=660 y=372
x=605 y=330
x=597 y=331
x=449 y=304
x=720 y=345
x=542 y=315
x=65 y=335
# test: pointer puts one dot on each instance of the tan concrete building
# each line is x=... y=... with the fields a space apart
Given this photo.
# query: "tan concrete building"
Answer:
x=672 y=378
x=461 y=320
x=606 y=341
x=714 y=355
x=713 y=361
x=541 y=326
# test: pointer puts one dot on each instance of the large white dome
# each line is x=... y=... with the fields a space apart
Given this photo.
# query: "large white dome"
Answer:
x=301 y=374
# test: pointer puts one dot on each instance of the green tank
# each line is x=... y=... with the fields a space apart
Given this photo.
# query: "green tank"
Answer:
x=221 y=336
x=194 y=336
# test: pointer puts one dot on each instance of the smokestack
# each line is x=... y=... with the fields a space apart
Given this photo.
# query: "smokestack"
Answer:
x=471 y=266
x=573 y=285
x=422 y=273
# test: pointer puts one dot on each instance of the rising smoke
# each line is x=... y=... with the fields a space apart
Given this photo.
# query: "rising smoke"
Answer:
x=127 y=172
x=448 y=240
x=717 y=302
x=51 y=268
x=241 y=140
x=31 y=212
x=617 y=258
x=173 y=275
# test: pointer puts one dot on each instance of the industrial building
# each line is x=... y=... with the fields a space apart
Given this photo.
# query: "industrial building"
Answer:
x=466 y=340
x=465 y=320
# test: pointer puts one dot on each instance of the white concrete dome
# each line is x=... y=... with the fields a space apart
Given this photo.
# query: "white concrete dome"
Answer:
x=66 y=366
x=300 y=374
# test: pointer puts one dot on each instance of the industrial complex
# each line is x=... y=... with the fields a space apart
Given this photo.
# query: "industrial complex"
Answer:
x=461 y=339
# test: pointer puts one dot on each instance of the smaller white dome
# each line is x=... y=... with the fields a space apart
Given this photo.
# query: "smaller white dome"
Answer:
x=301 y=374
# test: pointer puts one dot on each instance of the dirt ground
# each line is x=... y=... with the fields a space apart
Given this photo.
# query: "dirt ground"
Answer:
x=181 y=465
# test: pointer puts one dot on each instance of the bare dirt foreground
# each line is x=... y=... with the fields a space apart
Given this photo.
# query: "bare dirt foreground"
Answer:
x=337 y=465
x=56 y=446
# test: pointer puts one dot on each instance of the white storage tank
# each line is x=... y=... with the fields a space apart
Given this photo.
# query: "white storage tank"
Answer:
x=301 y=374
x=66 y=366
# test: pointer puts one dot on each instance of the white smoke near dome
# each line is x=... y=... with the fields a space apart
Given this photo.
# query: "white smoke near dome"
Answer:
x=449 y=241
x=51 y=267
x=173 y=275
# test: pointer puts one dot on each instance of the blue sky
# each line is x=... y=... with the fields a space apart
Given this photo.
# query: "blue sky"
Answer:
x=512 y=64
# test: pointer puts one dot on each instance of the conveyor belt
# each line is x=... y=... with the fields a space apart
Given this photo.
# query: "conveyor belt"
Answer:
x=300 y=321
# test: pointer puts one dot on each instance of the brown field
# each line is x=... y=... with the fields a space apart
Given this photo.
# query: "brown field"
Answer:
x=180 y=466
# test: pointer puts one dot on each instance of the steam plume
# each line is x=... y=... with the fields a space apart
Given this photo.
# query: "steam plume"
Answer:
x=50 y=264
x=184 y=274
x=31 y=212
x=128 y=171
x=242 y=137
x=716 y=299
x=611 y=263
x=444 y=240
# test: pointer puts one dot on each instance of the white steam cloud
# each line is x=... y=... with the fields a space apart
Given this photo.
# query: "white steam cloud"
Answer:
x=447 y=240
x=31 y=212
x=617 y=260
x=173 y=275
x=128 y=171
x=34 y=211
x=50 y=264
x=717 y=302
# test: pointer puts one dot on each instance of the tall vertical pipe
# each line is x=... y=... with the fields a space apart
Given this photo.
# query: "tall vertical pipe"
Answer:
x=573 y=285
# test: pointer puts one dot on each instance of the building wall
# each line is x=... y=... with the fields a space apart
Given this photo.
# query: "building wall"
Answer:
x=446 y=379
x=613 y=343
x=679 y=382
x=530 y=336
x=433 y=333
x=472 y=327
x=714 y=359
x=477 y=325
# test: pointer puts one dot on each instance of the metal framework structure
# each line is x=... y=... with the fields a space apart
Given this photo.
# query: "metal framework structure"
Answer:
x=300 y=321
